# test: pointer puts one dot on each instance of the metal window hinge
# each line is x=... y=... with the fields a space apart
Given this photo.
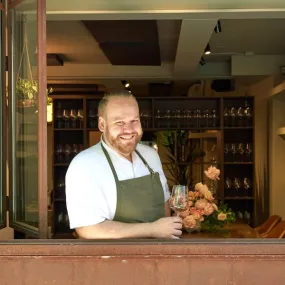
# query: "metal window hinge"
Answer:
x=6 y=63
x=7 y=203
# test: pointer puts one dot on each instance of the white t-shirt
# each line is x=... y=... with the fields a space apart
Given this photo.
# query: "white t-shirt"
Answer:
x=91 y=194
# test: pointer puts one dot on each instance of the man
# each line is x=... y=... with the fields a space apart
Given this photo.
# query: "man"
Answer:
x=117 y=189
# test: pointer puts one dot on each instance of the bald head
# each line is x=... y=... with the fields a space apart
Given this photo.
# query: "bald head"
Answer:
x=112 y=95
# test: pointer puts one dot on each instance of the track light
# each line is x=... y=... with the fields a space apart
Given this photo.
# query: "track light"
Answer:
x=202 y=61
x=126 y=84
x=218 y=27
x=207 y=49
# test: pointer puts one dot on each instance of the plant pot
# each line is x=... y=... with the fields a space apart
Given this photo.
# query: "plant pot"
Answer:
x=28 y=103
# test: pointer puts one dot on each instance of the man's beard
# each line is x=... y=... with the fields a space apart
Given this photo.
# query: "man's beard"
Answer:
x=123 y=147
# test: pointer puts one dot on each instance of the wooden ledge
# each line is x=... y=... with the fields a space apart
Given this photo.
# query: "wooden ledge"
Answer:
x=150 y=248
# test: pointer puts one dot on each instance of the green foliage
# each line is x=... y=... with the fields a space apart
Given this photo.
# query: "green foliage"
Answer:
x=182 y=174
x=27 y=90
x=212 y=224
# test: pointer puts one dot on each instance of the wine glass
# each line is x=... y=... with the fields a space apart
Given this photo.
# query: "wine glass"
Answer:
x=73 y=117
x=66 y=117
x=226 y=116
x=214 y=118
x=59 y=153
x=74 y=150
x=241 y=151
x=59 y=117
x=226 y=151
x=233 y=114
x=179 y=198
x=80 y=116
x=158 y=118
x=233 y=152
x=67 y=152
x=240 y=116
x=248 y=152
x=248 y=114
x=237 y=183
x=60 y=189
x=190 y=122
x=246 y=183
x=228 y=183
x=92 y=118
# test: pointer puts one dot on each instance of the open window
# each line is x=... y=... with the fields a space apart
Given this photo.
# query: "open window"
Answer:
x=24 y=29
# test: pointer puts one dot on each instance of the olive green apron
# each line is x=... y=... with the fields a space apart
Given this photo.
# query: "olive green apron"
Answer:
x=139 y=200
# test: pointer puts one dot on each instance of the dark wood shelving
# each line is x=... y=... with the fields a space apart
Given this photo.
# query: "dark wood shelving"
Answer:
x=68 y=130
x=194 y=163
x=239 y=198
x=239 y=163
x=238 y=128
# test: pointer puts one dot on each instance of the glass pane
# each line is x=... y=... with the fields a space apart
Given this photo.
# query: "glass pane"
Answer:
x=24 y=117
x=2 y=87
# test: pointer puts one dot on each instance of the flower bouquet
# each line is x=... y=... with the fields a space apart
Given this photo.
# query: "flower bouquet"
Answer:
x=203 y=213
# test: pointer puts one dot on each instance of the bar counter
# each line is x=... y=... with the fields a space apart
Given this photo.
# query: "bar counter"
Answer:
x=143 y=261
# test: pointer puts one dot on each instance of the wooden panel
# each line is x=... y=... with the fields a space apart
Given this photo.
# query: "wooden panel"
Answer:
x=149 y=262
x=127 y=42
x=54 y=60
x=94 y=137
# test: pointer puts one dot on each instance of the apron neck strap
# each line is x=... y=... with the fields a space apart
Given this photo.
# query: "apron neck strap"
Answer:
x=110 y=163
x=145 y=163
x=113 y=168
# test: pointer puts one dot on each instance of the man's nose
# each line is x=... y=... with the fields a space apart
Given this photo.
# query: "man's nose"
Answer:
x=128 y=127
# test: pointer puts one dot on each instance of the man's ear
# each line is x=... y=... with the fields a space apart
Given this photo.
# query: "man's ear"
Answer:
x=101 y=124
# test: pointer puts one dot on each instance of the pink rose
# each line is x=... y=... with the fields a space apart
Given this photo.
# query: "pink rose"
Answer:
x=190 y=203
x=184 y=214
x=197 y=194
x=197 y=215
x=212 y=173
x=215 y=206
x=208 y=210
x=192 y=210
x=189 y=222
x=191 y=194
x=202 y=219
x=208 y=195
x=198 y=186
x=201 y=204
x=201 y=211
x=222 y=217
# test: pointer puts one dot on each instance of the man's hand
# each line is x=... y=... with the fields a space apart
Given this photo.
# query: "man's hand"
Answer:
x=169 y=227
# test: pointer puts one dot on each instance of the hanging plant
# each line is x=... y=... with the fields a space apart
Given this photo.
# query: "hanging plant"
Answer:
x=27 y=90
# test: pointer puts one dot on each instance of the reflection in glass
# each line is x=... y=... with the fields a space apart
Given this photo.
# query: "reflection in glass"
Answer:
x=24 y=115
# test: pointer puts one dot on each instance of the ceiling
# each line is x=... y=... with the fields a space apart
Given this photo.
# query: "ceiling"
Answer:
x=250 y=45
x=261 y=36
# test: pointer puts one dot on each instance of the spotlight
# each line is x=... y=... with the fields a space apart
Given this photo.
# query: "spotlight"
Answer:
x=126 y=84
x=207 y=49
x=218 y=27
x=202 y=61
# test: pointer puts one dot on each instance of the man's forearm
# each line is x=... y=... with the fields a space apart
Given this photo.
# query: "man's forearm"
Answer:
x=114 y=230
